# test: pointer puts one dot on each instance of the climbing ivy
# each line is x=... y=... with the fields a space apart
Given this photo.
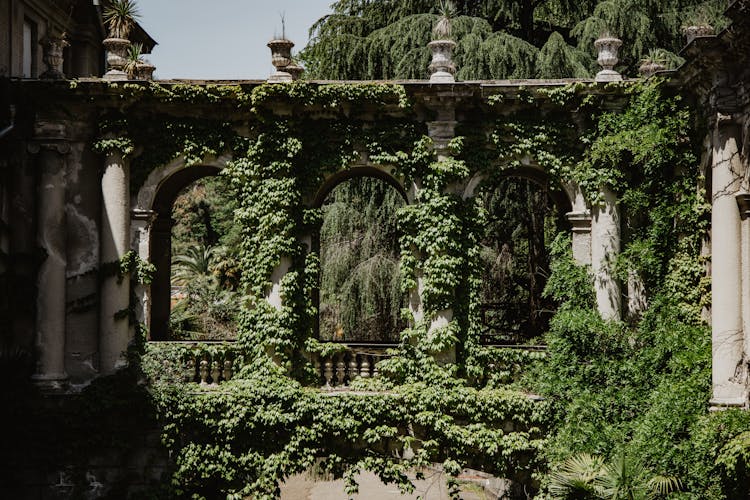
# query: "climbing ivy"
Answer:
x=269 y=423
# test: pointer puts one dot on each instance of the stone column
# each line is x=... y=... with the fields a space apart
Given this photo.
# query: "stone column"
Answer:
x=743 y=202
x=580 y=223
x=49 y=321
x=114 y=333
x=274 y=294
x=441 y=132
x=726 y=267
x=141 y=221
x=605 y=246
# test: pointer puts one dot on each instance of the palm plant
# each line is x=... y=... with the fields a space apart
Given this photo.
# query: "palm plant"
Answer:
x=196 y=261
x=133 y=59
x=120 y=17
x=585 y=476
x=576 y=477
x=447 y=11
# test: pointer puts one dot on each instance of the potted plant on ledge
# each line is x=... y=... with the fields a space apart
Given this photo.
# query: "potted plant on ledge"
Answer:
x=441 y=67
x=120 y=17
x=136 y=67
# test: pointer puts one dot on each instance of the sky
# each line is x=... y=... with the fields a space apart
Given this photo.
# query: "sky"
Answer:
x=223 y=39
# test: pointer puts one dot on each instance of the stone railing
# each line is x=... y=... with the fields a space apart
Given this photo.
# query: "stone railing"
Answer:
x=211 y=363
x=358 y=360
x=203 y=362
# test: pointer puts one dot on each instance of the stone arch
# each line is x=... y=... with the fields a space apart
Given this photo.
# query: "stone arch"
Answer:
x=565 y=195
x=525 y=315
x=382 y=173
x=378 y=172
x=152 y=233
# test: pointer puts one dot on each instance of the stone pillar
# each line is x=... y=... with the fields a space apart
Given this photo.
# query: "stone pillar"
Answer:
x=114 y=332
x=49 y=324
x=580 y=223
x=726 y=267
x=605 y=246
x=141 y=221
x=275 y=293
x=743 y=202
x=441 y=132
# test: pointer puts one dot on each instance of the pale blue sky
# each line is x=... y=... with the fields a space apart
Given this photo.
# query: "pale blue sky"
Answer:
x=223 y=39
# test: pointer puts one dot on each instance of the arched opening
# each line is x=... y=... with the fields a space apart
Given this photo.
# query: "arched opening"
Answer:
x=523 y=216
x=187 y=231
x=359 y=296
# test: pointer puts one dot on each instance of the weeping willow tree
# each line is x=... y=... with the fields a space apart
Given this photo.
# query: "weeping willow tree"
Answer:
x=497 y=39
x=520 y=221
x=360 y=297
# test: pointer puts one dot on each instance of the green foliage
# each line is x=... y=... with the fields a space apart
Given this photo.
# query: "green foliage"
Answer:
x=120 y=17
x=635 y=390
x=360 y=289
x=245 y=438
x=497 y=39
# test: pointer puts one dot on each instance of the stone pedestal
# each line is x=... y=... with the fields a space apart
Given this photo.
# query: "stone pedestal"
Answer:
x=605 y=246
x=51 y=240
x=580 y=223
x=726 y=267
x=115 y=243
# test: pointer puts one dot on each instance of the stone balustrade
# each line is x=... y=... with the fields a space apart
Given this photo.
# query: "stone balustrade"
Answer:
x=358 y=360
x=208 y=368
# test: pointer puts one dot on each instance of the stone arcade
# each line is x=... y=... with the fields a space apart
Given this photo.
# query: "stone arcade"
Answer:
x=68 y=212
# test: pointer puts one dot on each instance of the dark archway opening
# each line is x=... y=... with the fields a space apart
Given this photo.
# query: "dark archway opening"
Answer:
x=523 y=217
x=359 y=297
x=161 y=245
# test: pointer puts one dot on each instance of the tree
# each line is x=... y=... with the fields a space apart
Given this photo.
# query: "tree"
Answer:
x=385 y=39
x=360 y=296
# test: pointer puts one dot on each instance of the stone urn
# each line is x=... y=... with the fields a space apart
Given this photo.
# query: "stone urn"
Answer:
x=144 y=71
x=607 y=58
x=698 y=30
x=281 y=57
x=117 y=51
x=649 y=68
x=441 y=67
x=295 y=70
x=52 y=55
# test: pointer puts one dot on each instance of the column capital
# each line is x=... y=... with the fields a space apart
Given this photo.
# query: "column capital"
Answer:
x=49 y=136
x=726 y=119
x=743 y=203
x=145 y=215
x=580 y=221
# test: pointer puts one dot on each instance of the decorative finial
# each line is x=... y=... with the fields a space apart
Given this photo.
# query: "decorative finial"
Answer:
x=281 y=58
x=441 y=67
x=607 y=46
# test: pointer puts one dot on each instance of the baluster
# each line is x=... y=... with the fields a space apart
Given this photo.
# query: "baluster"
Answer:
x=340 y=370
x=215 y=370
x=328 y=372
x=375 y=371
x=318 y=372
x=227 y=373
x=364 y=367
x=353 y=372
x=203 y=370
x=190 y=369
